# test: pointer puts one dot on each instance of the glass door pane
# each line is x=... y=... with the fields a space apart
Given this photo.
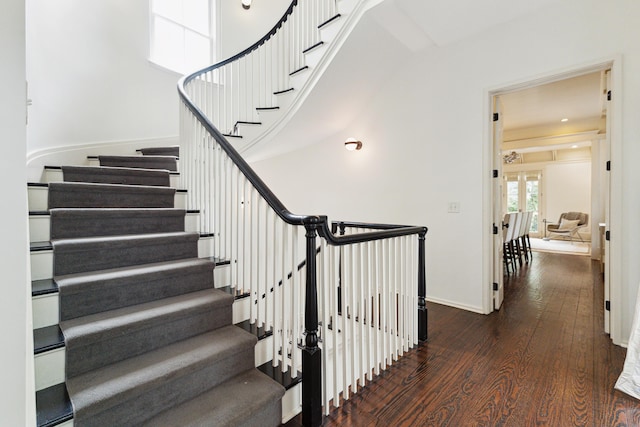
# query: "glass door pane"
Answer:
x=523 y=194
x=512 y=192
x=532 y=202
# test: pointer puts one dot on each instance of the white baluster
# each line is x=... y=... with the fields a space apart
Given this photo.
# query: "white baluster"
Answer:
x=335 y=321
x=277 y=312
x=295 y=300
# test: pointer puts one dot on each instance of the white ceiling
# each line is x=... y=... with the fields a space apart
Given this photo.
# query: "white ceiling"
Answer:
x=448 y=21
x=537 y=112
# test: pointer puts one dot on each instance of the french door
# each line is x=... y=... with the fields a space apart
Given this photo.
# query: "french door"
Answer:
x=523 y=194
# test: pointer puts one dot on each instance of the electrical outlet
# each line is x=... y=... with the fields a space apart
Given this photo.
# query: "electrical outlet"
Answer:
x=454 y=207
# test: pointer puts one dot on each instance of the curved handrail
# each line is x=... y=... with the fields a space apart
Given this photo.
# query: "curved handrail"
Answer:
x=186 y=79
x=206 y=158
x=285 y=214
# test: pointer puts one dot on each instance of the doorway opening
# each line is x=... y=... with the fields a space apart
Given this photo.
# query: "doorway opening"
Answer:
x=550 y=147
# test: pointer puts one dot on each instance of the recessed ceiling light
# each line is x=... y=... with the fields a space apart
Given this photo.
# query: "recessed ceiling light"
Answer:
x=564 y=120
x=574 y=146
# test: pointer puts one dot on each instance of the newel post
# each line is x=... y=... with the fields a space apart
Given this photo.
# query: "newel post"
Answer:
x=311 y=354
x=422 y=288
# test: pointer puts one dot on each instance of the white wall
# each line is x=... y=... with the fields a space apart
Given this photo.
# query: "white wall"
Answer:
x=89 y=76
x=426 y=142
x=240 y=28
x=17 y=394
x=568 y=188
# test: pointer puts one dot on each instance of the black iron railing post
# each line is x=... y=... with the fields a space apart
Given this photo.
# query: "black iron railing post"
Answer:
x=311 y=354
x=422 y=288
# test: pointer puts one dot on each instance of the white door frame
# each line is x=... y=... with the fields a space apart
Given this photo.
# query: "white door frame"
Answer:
x=498 y=219
x=615 y=176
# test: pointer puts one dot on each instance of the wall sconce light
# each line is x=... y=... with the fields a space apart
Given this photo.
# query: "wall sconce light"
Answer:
x=246 y=4
x=352 y=144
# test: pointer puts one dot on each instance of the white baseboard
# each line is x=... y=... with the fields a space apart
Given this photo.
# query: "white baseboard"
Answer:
x=453 y=304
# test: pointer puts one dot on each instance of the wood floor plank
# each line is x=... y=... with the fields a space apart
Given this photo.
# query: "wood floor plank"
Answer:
x=542 y=360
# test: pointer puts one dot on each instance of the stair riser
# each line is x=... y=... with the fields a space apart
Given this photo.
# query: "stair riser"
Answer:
x=39 y=199
x=41 y=265
x=56 y=175
x=291 y=403
x=313 y=57
x=222 y=276
x=49 y=368
x=329 y=32
x=39 y=226
x=46 y=310
x=286 y=99
x=242 y=310
x=264 y=350
x=50 y=365
x=95 y=162
x=42 y=262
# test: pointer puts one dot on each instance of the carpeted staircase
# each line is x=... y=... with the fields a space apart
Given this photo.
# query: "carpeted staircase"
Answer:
x=148 y=338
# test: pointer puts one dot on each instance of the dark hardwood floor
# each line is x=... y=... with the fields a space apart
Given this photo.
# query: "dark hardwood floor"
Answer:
x=543 y=359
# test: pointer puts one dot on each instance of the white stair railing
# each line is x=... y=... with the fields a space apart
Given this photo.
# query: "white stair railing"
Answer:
x=356 y=302
x=366 y=302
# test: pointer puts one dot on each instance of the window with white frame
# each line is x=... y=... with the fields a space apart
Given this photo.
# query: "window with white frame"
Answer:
x=182 y=34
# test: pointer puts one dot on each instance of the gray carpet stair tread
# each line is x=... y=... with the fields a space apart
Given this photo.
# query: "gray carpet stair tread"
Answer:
x=169 y=163
x=173 y=150
x=110 y=324
x=93 y=292
x=123 y=239
x=101 y=253
x=239 y=401
x=79 y=280
x=81 y=243
x=116 y=175
x=99 y=390
x=87 y=195
x=117 y=212
x=84 y=222
x=105 y=338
